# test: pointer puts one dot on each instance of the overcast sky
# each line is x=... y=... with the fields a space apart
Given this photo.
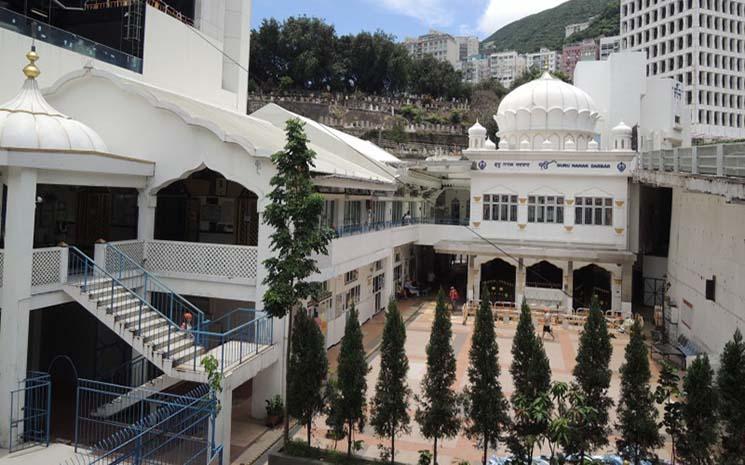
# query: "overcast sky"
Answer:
x=405 y=17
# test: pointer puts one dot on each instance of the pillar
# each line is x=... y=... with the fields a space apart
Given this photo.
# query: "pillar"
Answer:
x=15 y=304
x=626 y=288
x=389 y=287
x=569 y=286
x=146 y=204
x=473 y=287
x=223 y=421
x=520 y=273
x=616 y=282
x=266 y=384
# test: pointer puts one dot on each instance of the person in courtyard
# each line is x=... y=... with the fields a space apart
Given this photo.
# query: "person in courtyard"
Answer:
x=453 y=296
x=406 y=218
x=547 y=326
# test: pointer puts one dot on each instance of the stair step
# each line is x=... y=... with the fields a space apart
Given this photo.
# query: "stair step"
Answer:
x=135 y=319
x=122 y=306
x=162 y=343
x=186 y=356
x=178 y=346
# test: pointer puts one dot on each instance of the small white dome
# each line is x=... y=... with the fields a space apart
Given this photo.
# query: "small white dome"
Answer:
x=490 y=145
x=504 y=145
x=570 y=146
x=28 y=122
x=477 y=130
x=593 y=146
x=622 y=128
x=525 y=144
x=547 y=145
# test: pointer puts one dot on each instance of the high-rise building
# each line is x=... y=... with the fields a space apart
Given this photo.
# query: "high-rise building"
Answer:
x=700 y=44
x=581 y=51
x=506 y=66
x=440 y=45
x=609 y=45
x=475 y=69
x=468 y=46
x=545 y=59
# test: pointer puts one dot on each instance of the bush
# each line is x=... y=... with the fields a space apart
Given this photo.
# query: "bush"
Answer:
x=296 y=448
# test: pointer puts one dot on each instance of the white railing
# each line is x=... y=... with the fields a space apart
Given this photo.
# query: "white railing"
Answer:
x=544 y=296
x=191 y=259
x=710 y=160
x=48 y=266
x=2 y=265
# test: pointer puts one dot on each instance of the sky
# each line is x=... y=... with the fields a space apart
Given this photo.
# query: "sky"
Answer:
x=405 y=18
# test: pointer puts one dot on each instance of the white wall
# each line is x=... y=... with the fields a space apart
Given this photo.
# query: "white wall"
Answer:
x=175 y=58
x=706 y=239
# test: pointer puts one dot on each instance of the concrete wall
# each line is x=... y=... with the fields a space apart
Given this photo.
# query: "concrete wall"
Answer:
x=706 y=239
x=175 y=58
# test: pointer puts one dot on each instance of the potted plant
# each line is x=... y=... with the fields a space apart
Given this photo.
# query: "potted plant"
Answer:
x=274 y=411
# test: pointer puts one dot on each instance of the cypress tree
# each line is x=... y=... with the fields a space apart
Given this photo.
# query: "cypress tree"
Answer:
x=699 y=412
x=389 y=416
x=352 y=378
x=667 y=394
x=437 y=413
x=731 y=384
x=306 y=371
x=294 y=213
x=531 y=374
x=592 y=374
x=637 y=414
x=487 y=411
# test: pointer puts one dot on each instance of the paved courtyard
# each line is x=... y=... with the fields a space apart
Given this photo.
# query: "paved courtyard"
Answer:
x=561 y=352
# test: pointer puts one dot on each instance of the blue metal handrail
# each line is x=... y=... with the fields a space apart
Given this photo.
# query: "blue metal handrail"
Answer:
x=134 y=372
x=84 y=268
x=30 y=411
x=152 y=284
x=236 y=344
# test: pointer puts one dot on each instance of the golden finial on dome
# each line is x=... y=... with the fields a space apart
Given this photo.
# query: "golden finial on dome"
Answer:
x=30 y=70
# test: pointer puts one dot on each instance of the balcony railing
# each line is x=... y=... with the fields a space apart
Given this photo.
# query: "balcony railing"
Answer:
x=355 y=229
x=709 y=160
x=234 y=263
x=21 y=24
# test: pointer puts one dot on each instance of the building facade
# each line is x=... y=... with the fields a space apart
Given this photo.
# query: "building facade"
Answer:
x=468 y=47
x=587 y=50
x=609 y=45
x=700 y=44
x=507 y=66
x=439 y=45
x=544 y=59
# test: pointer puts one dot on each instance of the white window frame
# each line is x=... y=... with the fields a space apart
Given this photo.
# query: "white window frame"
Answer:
x=505 y=207
x=599 y=211
x=546 y=209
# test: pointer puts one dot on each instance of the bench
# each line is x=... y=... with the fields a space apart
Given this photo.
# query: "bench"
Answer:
x=689 y=349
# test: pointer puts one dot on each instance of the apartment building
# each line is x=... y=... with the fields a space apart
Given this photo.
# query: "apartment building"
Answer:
x=507 y=66
x=439 y=45
x=544 y=59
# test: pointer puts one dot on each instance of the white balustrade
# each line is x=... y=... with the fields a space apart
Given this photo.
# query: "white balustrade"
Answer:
x=2 y=264
x=710 y=160
x=48 y=266
x=194 y=260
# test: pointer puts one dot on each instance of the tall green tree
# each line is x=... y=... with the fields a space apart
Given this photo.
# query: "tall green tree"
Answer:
x=389 y=415
x=531 y=374
x=731 y=384
x=637 y=414
x=306 y=371
x=352 y=378
x=487 y=410
x=592 y=374
x=438 y=409
x=700 y=414
x=294 y=214
x=667 y=394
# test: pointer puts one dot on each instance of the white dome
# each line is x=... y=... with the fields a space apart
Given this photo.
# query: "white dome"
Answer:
x=490 y=145
x=28 y=122
x=477 y=130
x=622 y=128
x=546 y=108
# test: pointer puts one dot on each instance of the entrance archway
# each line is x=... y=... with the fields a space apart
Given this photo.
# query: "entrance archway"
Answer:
x=544 y=275
x=498 y=277
x=589 y=281
x=64 y=377
x=207 y=207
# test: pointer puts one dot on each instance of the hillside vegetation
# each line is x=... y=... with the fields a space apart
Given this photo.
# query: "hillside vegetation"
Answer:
x=605 y=25
x=546 y=29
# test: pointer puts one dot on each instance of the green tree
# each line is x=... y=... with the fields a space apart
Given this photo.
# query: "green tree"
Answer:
x=389 y=416
x=700 y=414
x=637 y=415
x=438 y=409
x=592 y=374
x=294 y=213
x=306 y=371
x=487 y=411
x=531 y=374
x=731 y=385
x=352 y=378
x=335 y=422
x=667 y=394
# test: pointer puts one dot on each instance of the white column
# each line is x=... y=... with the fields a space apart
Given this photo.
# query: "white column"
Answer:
x=223 y=422
x=569 y=286
x=146 y=205
x=473 y=278
x=519 y=283
x=266 y=384
x=389 y=289
x=615 y=289
x=14 y=327
x=626 y=288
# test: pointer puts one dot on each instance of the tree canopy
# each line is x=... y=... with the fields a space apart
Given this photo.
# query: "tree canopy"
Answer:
x=306 y=53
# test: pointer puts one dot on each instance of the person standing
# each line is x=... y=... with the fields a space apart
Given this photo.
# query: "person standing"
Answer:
x=453 y=297
x=547 y=326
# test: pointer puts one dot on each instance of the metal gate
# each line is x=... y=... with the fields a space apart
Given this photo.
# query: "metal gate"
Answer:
x=654 y=291
x=29 y=411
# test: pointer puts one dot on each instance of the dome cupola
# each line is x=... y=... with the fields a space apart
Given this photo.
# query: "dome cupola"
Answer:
x=550 y=109
x=477 y=137
x=622 y=137
x=27 y=121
